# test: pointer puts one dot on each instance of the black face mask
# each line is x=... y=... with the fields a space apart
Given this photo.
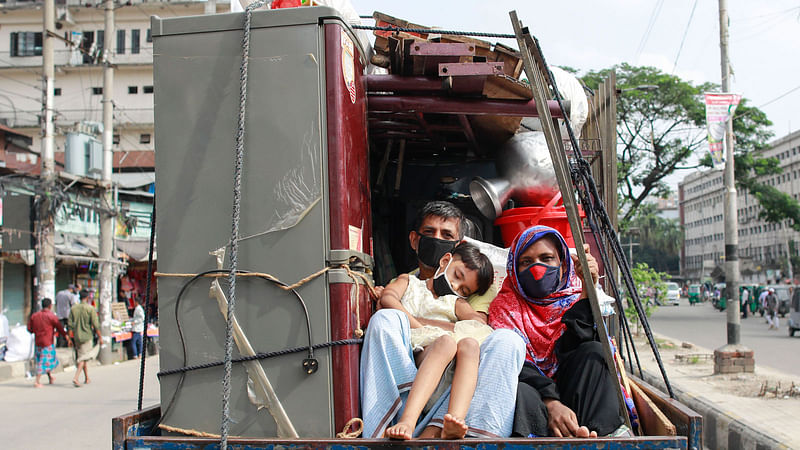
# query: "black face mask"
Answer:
x=430 y=250
x=539 y=280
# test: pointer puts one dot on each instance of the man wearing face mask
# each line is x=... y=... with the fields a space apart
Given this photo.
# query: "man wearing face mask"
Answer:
x=387 y=360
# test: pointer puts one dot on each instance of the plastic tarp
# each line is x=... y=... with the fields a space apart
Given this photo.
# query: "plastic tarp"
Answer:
x=571 y=89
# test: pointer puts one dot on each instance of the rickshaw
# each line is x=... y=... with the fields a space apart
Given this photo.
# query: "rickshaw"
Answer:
x=694 y=294
x=794 y=313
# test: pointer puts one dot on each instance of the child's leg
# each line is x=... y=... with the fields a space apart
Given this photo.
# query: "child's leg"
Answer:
x=464 y=381
x=436 y=358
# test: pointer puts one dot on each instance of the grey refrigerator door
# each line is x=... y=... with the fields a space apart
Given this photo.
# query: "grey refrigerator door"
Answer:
x=284 y=219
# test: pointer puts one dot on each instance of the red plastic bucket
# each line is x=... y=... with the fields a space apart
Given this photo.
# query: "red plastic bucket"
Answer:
x=514 y=221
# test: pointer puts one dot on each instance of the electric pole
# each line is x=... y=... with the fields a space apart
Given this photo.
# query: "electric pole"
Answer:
x=45 y=255
x=107 y=267
x=732 y=357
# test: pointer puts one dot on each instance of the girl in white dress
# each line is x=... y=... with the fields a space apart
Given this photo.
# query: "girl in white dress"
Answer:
x=461 y=273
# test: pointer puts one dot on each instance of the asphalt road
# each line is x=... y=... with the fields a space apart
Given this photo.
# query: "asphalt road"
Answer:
x=61 y=416
x=705 y=326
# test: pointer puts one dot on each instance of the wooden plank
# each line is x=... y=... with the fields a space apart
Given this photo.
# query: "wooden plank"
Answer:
x=653 y=421
x=505 y=87
x=687 y=422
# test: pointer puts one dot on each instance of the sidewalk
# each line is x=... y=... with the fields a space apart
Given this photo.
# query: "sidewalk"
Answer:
x=758 y=410
x=19 y=369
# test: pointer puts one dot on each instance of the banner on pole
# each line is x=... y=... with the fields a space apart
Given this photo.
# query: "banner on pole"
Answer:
x=719 y=109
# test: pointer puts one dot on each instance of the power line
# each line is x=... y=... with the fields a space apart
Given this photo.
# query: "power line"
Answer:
x=653 y=18
x=683 y=39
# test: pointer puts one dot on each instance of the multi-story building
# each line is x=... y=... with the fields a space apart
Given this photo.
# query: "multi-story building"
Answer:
x=78 y=73
x=764 y=248
x=78 y=92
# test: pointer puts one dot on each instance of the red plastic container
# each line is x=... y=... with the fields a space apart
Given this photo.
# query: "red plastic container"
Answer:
x=514 y=221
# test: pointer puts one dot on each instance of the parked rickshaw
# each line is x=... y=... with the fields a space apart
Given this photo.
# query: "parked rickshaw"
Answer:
x=794 y=313
x=695 y=295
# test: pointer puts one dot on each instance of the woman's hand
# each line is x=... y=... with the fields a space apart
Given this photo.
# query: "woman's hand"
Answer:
x=563 y=422
x=594 y=269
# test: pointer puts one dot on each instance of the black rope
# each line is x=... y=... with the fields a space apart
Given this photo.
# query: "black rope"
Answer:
x=590 y=191
x=263 y=355
x=147 y=304
x=436 y=31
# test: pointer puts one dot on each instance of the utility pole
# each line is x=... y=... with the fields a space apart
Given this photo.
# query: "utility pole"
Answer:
x=107 y=267
x=45 y=255
x=732 y=357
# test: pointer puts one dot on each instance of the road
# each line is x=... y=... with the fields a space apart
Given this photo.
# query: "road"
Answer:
x=705 y=326
x=64 y=417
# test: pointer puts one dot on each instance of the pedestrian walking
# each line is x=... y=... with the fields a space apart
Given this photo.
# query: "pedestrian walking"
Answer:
x=44 y=324
x=745 y=302
x=84 y=324
x=65 y=300
x=137 y=329
x=772 y=310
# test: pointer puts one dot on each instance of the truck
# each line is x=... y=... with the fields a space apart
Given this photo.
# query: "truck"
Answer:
x=333 y=162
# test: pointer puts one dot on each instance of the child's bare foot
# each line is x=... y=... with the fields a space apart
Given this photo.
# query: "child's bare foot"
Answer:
x=453 y=428
x=51 y=377
x=37 y=385
x=400 y=431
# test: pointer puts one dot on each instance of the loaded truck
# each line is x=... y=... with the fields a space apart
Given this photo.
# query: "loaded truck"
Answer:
x=335 y=146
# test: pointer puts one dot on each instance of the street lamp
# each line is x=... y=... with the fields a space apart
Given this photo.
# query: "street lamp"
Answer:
x=641 y=87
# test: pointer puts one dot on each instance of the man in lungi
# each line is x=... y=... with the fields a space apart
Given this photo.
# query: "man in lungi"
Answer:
x=83 y=324
x=387 y=359
x=44 y=324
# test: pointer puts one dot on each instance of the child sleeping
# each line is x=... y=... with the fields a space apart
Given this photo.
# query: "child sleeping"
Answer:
x=461 y=273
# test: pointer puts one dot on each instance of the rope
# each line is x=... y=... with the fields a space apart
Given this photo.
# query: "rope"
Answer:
x=147 y=304
x=194 y=433
x=432 y=31
x=347 y=433
x=262 y=355
x=355 y=276
x=237 y=197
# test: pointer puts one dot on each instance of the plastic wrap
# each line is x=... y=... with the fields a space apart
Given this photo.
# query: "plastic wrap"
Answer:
x=571 y=89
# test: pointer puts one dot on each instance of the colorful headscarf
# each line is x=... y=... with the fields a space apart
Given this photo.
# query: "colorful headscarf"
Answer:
x=536 y=320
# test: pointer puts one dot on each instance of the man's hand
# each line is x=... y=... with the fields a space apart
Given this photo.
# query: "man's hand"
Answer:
x=594 y=269
x=563 y=422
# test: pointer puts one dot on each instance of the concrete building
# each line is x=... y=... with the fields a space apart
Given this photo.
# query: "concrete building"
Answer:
x=78 y=90
x=764 y=248
x=79 y=77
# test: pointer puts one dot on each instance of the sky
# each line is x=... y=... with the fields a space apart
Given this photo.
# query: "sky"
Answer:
x=764 y=41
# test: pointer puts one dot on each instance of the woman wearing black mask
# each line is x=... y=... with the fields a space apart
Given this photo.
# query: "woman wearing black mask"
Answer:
x=565 y=388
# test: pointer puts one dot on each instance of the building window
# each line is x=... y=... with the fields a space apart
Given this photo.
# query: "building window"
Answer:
x=57 y=91
x=26 y=43
x=134 y=42
x=120 y=42
x=97 y=91
x=144 y=138
x=148 y=36
x=101 y=42
x=147 y=89
x=115 y=139
x=133 y=89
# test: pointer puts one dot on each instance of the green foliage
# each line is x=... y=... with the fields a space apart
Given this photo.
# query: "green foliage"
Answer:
x=659 y=130
x=659 y=239
x=644 y=277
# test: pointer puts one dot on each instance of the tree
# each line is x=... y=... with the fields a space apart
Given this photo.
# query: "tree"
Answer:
x=659 y=239
x=659 y=130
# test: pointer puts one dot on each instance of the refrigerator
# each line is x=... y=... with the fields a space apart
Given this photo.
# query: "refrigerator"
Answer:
x=305 y=206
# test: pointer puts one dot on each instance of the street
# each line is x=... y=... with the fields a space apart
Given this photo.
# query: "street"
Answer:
x=64 y=417
x=705 y=326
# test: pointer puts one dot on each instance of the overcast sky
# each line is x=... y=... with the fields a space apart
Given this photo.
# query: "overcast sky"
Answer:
x=589 y=35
